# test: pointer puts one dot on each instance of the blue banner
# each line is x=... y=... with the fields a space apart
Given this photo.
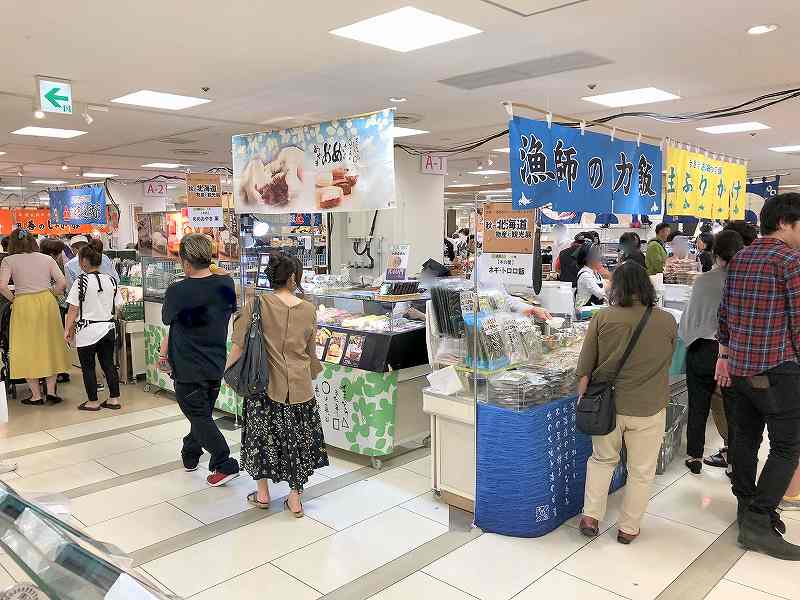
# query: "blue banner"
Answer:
x=305 y=219
x=85 y=205
x=582 y=172
x=766 y=188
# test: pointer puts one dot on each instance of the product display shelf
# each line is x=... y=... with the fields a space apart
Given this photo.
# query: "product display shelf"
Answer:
x=61 y=563
x=131 y=350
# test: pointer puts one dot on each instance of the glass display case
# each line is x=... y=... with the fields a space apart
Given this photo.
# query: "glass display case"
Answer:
x=61 y=563
x=158 y=273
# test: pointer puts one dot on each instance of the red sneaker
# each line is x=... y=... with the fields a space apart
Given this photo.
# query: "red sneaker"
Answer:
x=217 y=479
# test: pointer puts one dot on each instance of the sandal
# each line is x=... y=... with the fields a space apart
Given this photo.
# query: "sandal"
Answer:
x=88 y=408
x=252 y=498
x=111 y=406
x=297 y=515
x=29 y=402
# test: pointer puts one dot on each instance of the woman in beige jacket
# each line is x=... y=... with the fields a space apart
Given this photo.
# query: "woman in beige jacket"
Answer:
x=282 y=437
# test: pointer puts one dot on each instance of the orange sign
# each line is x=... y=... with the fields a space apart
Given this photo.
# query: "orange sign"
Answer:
x=37 y=221
x=507 y=231
x=203 y=189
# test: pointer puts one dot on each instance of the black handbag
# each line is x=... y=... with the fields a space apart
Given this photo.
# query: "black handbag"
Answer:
x=596 y=413
x=249 y=376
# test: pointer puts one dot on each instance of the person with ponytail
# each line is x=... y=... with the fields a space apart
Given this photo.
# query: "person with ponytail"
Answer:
x=36 y=343
x=282 y=437
x=89 y=324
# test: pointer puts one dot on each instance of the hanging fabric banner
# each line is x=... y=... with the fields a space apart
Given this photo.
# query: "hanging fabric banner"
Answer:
x=578 y=171
x=757 y=193
x=697 y=185
x=38 y=221
x=83 y=205
x=339 y=166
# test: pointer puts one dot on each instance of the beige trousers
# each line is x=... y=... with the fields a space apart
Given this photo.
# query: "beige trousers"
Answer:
x=643 y=437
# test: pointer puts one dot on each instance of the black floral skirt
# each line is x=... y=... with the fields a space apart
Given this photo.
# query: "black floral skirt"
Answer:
x=282 y=442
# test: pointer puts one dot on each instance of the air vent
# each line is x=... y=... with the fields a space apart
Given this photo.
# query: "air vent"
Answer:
x=178 y=141
x=540 y=67
x=530 y=8
x=190 y=152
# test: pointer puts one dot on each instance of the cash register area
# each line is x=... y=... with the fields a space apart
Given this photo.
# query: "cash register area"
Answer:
x=368 y=533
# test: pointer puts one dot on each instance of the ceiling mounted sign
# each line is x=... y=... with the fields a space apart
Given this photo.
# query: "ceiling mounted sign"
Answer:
x=203 y=189
x=431 y=164
x=55 y=95
x=339 y=166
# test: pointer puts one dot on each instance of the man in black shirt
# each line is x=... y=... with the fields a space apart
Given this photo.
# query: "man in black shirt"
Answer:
x=198 y=310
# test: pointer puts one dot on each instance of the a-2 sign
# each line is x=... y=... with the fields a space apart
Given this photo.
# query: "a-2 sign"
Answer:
x=157 y=189
x=55 y=96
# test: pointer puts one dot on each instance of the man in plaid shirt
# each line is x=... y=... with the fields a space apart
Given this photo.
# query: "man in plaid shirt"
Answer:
x=759 y=333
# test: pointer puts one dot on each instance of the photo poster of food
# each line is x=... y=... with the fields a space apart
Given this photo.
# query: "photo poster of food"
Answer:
x=397 y=266
x=167 y=229
x=336 y=347
x=343 y=165
x=355 y=348
x=323 y=335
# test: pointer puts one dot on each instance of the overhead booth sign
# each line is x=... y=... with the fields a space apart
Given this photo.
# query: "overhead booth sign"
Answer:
x=704 y=186
x=81 y=205
x=339 y=166
x=574 y=170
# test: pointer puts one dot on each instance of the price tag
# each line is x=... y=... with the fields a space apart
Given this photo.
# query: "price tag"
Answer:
x=205 y=216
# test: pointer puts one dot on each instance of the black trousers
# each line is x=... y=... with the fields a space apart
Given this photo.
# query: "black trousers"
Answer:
x=197 y=401
x=701 y=361
x=104 y=350
x=771 y=400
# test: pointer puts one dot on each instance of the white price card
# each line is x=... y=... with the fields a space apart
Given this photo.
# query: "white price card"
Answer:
x=205 y=216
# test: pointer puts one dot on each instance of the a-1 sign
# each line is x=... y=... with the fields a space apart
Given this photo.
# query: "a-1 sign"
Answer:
x=55 y=95
x=432 y=164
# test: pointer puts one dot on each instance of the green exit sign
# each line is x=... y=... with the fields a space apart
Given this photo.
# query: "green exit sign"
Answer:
x=55 y=95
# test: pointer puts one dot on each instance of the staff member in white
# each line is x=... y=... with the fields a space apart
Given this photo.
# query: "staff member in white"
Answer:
x=90 y=324
x=589 y=289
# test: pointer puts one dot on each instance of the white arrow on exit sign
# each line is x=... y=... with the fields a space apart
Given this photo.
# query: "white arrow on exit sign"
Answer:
x=55 y=95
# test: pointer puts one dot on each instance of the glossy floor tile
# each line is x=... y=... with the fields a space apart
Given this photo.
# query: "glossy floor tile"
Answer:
x=340 y=558
x=63 y=479
x=421 y=466
x=421 y=586
x=670 y=545
x=105 y=424
x=150 y=456
x=144 y=527
x=496 y=567
x=340 y=466
x=261 y=583
x=557 y=584
x=164 y=432
x=431 y=506
x=354 y=503
x=25 y=441
x=729 y=590
x=214 y=561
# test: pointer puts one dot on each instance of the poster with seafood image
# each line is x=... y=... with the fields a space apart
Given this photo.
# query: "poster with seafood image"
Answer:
x=341 y=166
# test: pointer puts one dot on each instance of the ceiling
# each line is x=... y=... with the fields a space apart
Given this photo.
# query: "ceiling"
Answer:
x=273 y=65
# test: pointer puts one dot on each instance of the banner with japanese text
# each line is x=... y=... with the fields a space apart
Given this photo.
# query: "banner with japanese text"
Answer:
x=697 y=185
x=38 y=221
x=339 y=166
x=83 y=205
x=506 y=230
x=576 y=171
x=758 y=192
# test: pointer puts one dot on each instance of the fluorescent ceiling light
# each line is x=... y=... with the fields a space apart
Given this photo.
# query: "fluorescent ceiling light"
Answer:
x=99 y=175
x=734 y=128
x=464 y=185
x=762 y=29
x=158 y=165
x=505 y=191
x=786 y=148
x=2 y=153
x=12 y=188
x=487 y=172
x=398 y=100
x=49 y=181
x=163 y=100
x=406 y=29
x=502 y=150
x=646 y=95
x=405 y=131
x=49 y=132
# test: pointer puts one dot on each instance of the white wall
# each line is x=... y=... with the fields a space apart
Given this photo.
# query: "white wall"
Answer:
x=127 y=196
x=418 y=220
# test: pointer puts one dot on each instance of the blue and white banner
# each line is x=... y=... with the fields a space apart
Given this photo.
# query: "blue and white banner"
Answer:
x=84 y=205
x=552 y=217
x=766 y=188
x=582 y=172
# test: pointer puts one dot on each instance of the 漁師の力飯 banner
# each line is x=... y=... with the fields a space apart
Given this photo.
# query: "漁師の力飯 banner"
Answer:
x=343 y=165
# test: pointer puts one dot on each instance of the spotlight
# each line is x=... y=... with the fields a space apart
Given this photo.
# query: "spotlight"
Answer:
x=490 y=162
x=38 y=113
x=20 y=172
x=260 y=229
x=64 y=166
x=88 y=118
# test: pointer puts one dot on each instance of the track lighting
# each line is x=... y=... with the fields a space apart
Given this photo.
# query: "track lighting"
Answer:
x=88 y=118
x=38 y=113
x=64 y=166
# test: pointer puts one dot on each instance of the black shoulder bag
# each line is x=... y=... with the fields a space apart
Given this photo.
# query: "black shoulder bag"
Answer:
x=596 y=413
x=249 y=376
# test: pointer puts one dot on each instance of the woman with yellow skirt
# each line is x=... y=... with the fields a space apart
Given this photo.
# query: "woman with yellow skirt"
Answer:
x=36 y=339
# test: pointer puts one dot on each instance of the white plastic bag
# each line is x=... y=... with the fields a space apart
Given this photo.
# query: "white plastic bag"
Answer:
x=3 y=403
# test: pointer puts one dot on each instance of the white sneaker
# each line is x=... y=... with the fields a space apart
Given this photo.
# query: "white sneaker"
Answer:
x=7 y=467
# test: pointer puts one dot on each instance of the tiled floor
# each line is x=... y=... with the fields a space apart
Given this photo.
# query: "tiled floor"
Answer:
x=367 y=534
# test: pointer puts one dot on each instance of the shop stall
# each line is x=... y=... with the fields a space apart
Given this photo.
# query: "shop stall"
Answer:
x=131 y=353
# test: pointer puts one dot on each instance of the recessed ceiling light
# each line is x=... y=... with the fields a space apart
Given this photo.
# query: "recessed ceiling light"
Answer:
x=38 y=114
x=646 y=95
x=2 y=153
x=49 y=132
x=398 y=100
x=502 y=150
x=462 y=185
x=49 y=181
x=406 y=29
x=762 y=29
x=12 y=188
x=786 y=148
x=159 y=165
x=790 y=186
x=163 y=100
x=405 y=131
x=734 y=128
x=487 y=172
x=91 y=175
